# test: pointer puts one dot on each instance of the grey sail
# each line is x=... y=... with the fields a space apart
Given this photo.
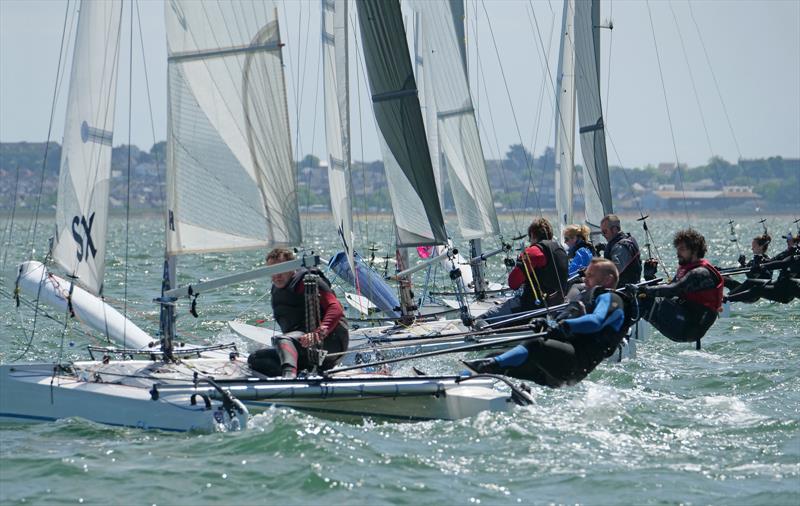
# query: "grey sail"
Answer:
x=445 y=72
x=409 y=171
x=596 y=182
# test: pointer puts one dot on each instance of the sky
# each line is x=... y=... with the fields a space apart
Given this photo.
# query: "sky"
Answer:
x=752 y=47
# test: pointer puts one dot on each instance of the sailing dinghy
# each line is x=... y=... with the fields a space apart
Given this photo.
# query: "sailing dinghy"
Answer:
x=229 y=172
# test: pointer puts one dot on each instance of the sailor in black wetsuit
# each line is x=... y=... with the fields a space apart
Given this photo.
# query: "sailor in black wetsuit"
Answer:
x=294 y=351
x=622 y=249
x=787 y=286
x=586 y=333
x=756 y=277
x=688 y=306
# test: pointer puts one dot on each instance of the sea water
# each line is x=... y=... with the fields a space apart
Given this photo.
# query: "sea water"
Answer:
x=674 y=425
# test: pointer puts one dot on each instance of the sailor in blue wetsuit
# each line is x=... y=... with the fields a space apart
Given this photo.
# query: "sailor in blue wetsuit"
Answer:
x=587 y=332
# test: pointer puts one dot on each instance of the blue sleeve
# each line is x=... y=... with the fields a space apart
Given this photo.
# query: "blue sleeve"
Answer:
x=580 y=261
x=597 y=319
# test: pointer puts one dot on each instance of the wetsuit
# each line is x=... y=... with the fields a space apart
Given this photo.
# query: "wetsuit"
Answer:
x=541 y=273
x=623 y=250
x=573 y=349
x=287 y=356
x=783 y=290
x=690 y=304
x=743 y=291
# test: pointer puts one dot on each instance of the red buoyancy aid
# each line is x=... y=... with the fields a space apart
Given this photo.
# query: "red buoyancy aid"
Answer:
x=710 y=297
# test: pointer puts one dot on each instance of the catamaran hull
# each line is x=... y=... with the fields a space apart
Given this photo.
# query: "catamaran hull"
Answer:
x=34 y=393
x=38 y=283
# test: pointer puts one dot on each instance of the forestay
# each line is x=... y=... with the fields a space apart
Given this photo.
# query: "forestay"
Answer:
x=445 y=73
x=337 y=118
x=230 y=172
x=79 y=244
x=596 y=183
x=407 y=161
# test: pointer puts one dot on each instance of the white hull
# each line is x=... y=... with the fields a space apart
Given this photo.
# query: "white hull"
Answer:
x=156 y=395
x=33 y=393
x=38 y=283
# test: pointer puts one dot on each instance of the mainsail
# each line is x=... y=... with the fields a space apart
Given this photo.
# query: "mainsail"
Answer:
x=337 y=118
x=409 y=172
x=79 y=244
x=565 y=119
x=445 y=73
x=596 y=182
x=230 y=172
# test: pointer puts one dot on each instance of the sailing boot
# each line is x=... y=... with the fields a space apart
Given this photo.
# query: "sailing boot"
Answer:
x=483 y=366
x=287 y=352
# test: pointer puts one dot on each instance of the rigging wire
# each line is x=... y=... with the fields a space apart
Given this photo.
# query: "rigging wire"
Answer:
x=8 y=233
x=61 y=53
x=714 y=160
x=714 y=76
x=669 y=115
x=528 y=163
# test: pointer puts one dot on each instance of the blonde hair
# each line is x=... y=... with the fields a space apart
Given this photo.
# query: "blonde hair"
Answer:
x=580 y=231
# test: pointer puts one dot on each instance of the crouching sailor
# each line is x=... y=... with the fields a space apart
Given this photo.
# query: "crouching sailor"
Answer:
x=578 y=343
x=298 y=348
x=756 y=277
x=688 y=306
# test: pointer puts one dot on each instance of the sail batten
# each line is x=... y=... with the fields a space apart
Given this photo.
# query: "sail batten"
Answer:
x=409 y=171
x=596 y=181
x=82 y=206
x=444 y=64
x=230 y=171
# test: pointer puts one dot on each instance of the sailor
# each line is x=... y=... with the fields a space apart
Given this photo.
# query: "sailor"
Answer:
x=787 y=286
x=296 y=349
x=742 y=291
x=541 y=272
x=586 y=333
x=580 y=251
x=622 y=249
x=688 y=306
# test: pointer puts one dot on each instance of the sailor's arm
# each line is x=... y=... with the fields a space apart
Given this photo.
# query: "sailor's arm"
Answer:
x=535 y=259
x=694 y=281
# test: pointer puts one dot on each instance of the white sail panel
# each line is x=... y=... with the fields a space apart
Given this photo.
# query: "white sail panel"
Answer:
x=230 y=172
x=596 y=182
x=337 y=118
x=445 y=73
x=565 y=119
x=409 y=173
x=82 y=207
x=427 y=102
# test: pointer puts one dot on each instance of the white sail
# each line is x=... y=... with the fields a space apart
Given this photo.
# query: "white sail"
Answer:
x=565 y=119
x=596 y=182
x=427 y=102
x=445 y=73
x=409 y=174
x=79 y=244
x=230 y=172
x=337 y=118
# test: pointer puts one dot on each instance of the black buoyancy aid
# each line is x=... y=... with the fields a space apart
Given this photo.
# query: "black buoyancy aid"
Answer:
x=552 y=278
x=289 y=307
x=631 y=273
x=604 y=343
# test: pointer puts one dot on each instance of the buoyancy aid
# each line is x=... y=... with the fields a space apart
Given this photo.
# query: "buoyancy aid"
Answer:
x=631 y=273
x=289 y=307
x=605 y=342
x=710 y=298
x=552 y=278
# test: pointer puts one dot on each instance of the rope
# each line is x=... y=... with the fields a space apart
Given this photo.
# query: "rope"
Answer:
x=669 y=115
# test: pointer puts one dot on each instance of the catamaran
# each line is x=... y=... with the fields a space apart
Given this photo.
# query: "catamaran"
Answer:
x=229 y=172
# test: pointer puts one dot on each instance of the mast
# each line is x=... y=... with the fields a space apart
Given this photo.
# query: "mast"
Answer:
x=565 y=119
